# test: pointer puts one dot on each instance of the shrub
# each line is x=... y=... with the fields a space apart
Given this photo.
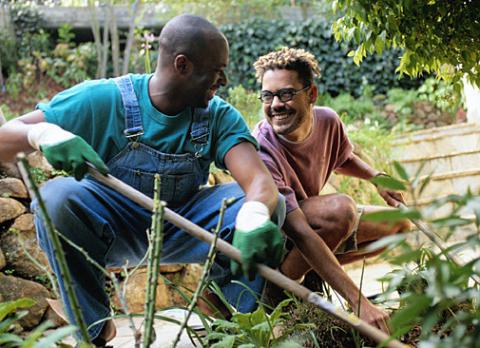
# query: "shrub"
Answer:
x=247 y=103
x=255 y=37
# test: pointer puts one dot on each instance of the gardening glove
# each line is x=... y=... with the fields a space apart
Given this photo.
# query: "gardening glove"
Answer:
x=64 y=150
x=258 y=239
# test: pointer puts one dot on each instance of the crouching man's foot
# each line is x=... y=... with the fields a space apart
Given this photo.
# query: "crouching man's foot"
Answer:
x=211 y=305
x=108 y=333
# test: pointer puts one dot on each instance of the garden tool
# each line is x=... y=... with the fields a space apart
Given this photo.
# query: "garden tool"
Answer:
x=266 y=272
x=423 y=227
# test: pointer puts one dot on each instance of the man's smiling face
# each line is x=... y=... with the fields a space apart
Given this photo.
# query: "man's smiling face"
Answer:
x=291 y=119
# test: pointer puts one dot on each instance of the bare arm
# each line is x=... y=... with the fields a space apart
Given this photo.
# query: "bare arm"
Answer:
x=13 y=135
x=251 y=174
x=317 y=253
x=357 y=168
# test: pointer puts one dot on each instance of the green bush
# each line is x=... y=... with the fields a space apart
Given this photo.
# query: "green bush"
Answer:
x=247 y=103
x=255 y=37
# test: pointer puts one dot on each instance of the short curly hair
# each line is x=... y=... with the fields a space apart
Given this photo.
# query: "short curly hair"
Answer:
x=299 y=60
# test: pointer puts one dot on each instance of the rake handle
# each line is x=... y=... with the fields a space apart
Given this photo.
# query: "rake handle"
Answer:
x=266 y=272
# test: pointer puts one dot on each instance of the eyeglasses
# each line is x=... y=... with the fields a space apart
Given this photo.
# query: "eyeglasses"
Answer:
x=284 y=94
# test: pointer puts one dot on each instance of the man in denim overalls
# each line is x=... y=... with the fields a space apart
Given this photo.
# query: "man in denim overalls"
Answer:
x=170 y=123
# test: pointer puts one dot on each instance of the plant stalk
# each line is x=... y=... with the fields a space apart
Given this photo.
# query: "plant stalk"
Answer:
x=57 y=248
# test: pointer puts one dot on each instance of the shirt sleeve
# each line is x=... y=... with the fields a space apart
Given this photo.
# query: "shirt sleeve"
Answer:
x=289 y=194
x=229 y=130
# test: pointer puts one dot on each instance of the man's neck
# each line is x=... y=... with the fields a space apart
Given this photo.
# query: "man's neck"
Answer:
x=303 y=132
x=164 y=96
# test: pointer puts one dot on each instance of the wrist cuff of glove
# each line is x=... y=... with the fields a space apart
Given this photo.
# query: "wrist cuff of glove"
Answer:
x=45 y=133
x=252 y=215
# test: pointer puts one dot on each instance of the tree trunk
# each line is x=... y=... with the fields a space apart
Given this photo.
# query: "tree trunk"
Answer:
x=96 y=35
x=128 y=46
x=105 y=46
x=114 y=40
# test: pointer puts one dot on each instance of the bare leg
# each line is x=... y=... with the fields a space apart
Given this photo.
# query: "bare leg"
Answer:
x=369 y=231
x=333 y=218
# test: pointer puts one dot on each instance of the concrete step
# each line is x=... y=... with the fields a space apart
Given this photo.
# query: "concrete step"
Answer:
x=411 y=148
x=437 y=164
x=455 y=182
x=423 y=134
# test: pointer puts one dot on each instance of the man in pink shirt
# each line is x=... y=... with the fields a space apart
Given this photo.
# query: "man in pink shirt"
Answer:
x=301 y=145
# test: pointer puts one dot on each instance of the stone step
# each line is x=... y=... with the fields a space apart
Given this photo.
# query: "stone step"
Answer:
x=455 y=182
x=423 y=134
x=437 y=164
x=439 y=144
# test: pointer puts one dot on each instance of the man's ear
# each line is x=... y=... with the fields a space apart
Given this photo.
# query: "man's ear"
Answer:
x=182 y=64
x=313 y=94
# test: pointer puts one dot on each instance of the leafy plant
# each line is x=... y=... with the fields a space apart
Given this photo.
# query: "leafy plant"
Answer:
x=437 y=36
x=247 y=103
x=11 y=312
x=254 y=330
x=438 y=295
x=440 y=94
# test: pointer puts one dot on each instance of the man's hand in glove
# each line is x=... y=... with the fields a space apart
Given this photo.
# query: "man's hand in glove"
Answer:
x=64 y=150
x=258 y=239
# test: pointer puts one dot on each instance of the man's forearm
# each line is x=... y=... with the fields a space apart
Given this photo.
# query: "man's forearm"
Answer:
x=13 y=135
x=319 y=256
x=357 y=168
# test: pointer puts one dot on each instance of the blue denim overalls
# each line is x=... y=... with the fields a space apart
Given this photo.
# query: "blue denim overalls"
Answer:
x=112 y=229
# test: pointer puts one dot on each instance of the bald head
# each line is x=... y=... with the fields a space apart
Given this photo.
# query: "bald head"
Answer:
x=189 y=35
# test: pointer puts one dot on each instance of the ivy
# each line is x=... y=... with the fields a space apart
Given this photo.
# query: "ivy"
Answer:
x=255 y=37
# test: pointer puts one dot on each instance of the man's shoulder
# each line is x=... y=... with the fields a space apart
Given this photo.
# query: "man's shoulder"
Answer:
x=263 y=131
x=326 y=113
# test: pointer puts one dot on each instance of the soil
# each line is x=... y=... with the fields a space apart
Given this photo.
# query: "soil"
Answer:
x=28 y=98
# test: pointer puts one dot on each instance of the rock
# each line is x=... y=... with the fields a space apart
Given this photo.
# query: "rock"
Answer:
x=10 y=209
x=37 y=160
x=171 y=268
x=13 y=187
x=166 y=296
x=51 y=315
x=10 y=170
x=13 y=288
x=3 y=262
x=17 y=241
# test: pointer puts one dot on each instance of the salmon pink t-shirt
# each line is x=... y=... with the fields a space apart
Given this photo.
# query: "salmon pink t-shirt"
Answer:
x=301 y=169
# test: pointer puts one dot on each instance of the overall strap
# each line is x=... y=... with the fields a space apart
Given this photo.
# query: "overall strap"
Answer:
x=199 y=130
x=133 y=117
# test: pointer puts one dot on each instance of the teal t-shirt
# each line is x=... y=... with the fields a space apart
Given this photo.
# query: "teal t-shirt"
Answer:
x=93 y=110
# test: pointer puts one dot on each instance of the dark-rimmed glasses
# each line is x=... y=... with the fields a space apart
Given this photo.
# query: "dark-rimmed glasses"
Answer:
x=284 y=94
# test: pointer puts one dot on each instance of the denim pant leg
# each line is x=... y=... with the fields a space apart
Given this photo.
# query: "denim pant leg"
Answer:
x=203 y=210
x=88 y=214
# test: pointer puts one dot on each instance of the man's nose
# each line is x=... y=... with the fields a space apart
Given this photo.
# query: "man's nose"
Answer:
x=223 y=79
x=277 y=103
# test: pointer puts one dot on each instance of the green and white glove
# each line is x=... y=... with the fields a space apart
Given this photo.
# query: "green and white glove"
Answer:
x=64 y=150
x=258 y=239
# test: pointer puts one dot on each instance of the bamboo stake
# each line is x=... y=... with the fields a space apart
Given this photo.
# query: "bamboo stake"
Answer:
x=265 y=271
x=423 y=227
x=57 y=248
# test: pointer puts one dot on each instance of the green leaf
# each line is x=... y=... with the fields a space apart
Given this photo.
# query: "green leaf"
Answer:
x=11 y=306
x=402 y=173
x=389 y=241
x=56 y=336
x=405 y=316
x=226 y=342
x=287 y=344
x=392 y=215
x=388 y=182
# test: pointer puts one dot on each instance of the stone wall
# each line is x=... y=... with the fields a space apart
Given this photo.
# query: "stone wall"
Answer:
x=24 y=266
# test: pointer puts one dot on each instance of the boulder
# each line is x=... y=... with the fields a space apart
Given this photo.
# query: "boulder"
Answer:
x=166 y=295
x=10 y=170
x=13 y=288
x=18 y=243
x=171 y=268
x=13 y=187
x=10 y=209
x=37 y=160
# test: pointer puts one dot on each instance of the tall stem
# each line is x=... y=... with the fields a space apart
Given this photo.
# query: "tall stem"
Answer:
x=57 y=249
x=206 y=270
x=156 y=242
